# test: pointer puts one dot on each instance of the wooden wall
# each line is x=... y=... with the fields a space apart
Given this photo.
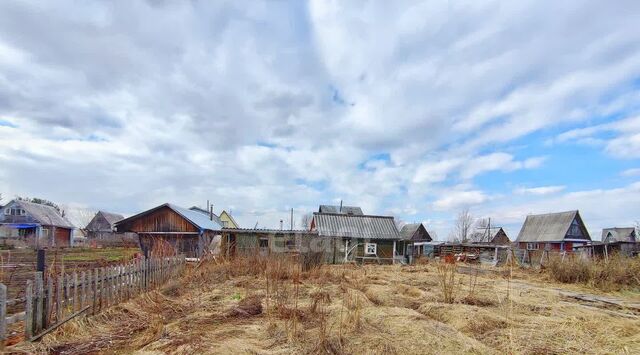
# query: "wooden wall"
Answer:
x=162 y=220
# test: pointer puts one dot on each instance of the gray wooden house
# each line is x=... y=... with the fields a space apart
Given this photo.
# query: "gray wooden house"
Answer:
x=553 y=231
x=101 y=231
x=35 y=225
x=357 y=237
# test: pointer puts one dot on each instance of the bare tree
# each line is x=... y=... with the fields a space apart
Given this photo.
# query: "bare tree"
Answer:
x=463 y=226
x=305 y=220
x=481 y=232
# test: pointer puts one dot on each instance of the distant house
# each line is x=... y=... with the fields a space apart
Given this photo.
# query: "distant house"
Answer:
x=35 y=224
x=224 y=219
x=238 y=241
x=553 y=231
x=499 y=237
x=415 y=239
x=611 y=235
x=101 y=231
x=185 y=231
x=354 y=236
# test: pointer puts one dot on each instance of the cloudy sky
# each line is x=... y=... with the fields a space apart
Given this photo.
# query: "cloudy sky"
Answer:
x=416 y=109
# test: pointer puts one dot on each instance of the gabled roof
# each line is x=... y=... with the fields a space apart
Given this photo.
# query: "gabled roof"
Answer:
x=198 y=219
x=550 y=227
x=355 y=226
x=45 y=215
x=619 y=234
x=353 y=210
x=230 y=218
x=112 y=218
x=408 y=231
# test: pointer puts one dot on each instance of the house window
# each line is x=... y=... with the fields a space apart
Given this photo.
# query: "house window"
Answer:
x=264 y=243
x=225 y=224
x=532 y=246
x=291 y=243
x=14 y=212
x=370 y=248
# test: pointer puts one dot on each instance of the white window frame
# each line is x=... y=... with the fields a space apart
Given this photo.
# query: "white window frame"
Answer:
x=374 y=247
x=533 y=246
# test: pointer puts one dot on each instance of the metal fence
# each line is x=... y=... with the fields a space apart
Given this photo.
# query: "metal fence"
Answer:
x=53 y=300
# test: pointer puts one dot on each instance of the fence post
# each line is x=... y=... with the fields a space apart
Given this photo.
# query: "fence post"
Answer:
x=67 y=294
x=83 y=297
x=75 y=292
x=3 y=315
x=59 y=294
x=28 y=311
x=49 y=308
x=39 y=311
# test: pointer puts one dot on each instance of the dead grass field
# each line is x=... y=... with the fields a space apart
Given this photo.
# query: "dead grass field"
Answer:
x=259 y=306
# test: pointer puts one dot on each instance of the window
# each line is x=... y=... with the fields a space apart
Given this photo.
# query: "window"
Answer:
x=14 y=212
x=290 y=243
x=225 y=224
x=370 y=248
x=264 y=242
x=532 y=246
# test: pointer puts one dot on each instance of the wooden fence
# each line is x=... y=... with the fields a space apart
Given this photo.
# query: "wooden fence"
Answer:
x=53 y=300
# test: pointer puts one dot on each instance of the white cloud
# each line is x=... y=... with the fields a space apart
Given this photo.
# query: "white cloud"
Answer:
x=631 y=172
x=454 y=200
x=541 y=190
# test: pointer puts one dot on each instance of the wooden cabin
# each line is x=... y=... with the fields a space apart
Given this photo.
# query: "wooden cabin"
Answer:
x=35 y=225
x=415 y=239
x=185 y=231
x=101 y=231
x=244 y=242
x=553 y=231
x=358 y=237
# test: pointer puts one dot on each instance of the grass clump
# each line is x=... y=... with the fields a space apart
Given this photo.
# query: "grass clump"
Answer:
x=612 y=274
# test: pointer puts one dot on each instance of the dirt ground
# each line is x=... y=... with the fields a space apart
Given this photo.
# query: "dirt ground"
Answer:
x=267 y=309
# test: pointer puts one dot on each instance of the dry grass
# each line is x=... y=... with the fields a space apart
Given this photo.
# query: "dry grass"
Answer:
x=612 y=274
x=272 y=305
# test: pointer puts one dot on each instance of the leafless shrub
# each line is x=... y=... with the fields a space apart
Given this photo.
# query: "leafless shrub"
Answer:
x=447 y=278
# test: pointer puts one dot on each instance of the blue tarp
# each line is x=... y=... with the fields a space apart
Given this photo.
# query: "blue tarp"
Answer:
x=22 y=225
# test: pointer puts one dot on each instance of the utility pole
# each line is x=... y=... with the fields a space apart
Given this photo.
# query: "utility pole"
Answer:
x=291 y=225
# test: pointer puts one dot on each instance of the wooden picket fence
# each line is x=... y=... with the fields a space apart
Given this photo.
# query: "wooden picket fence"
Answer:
x=50 y=302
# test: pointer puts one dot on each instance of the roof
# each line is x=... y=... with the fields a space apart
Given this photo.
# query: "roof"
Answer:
x=550 y=227
x=409 y=230
x=619 y=234
x=112 y=218
x=45 y=215
x=198 y=219
x=340 y=210
x=355 y=226
x=206 y=213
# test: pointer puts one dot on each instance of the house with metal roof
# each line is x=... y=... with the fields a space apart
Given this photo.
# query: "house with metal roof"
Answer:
x=169 y=226
x=616 y=234
x=415 y=240
x=224 y=219
x=553 y=231
x=35 y=224
x=358 y=237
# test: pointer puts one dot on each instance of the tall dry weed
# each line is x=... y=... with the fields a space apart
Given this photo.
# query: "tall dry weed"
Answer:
x=447 y=280
x=612 y=274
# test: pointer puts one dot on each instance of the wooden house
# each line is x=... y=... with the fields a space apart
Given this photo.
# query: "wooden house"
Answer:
x=35 y=224
x=224 y=219
x=358 y=237
x=499 y=237
x=101 y=231
x=627 y=234
x=553 y=231
x=415 y=239
x=185 y=231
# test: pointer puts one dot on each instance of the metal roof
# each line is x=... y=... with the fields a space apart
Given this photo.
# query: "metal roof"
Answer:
x=200 y=220
x=409 y=230
x=269 y=231
x=355 y=226
x=206 y=213
x=353 y=210
x=619 y=234
x=45 y=215
x=551 y=227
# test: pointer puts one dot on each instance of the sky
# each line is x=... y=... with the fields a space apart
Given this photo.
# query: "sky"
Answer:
x=416 y=109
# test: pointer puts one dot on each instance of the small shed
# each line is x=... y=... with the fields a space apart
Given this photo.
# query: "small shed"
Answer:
x=499 y=237
x=414 y=236
x=187 y=232
x=241 y=241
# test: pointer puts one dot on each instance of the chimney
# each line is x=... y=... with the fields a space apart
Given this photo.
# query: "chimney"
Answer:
x=280 y=224
x=211 y=212
x=340 y=206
